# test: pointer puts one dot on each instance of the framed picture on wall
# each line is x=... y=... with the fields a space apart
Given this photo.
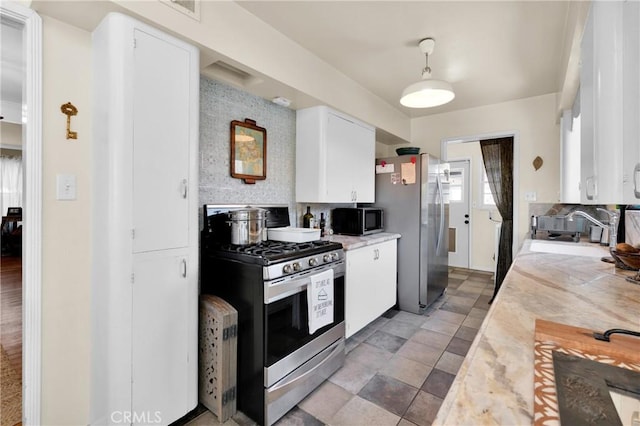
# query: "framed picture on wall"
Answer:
x=248 y=151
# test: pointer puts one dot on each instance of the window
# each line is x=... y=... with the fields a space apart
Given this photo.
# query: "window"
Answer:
x=486 y=197
x=456 y=185
x=10 y=182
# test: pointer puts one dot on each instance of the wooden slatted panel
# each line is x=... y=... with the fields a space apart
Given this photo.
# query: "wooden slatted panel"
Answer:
x=218 y=356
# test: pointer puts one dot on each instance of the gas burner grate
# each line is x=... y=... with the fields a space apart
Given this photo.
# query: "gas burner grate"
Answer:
x=270 y=251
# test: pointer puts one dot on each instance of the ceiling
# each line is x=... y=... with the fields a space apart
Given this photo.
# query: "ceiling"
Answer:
x=489 y=51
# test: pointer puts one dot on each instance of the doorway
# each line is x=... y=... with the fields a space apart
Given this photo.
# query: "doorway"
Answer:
x=459 y=213
x=483 y=217
x=11 y=196
x=29 y=115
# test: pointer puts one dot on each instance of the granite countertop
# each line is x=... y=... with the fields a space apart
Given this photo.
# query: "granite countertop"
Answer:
x=495 y=382
x=350 y=242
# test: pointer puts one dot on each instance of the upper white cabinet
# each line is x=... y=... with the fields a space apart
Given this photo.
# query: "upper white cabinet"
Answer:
x=631 y=103
x=145 y=224
x=610 y=109
x=335 y=157
x=161 y=152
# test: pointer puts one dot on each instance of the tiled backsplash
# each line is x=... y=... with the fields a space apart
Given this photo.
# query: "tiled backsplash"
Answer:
x=220 y=104
x=548 y=209
x=632 y=217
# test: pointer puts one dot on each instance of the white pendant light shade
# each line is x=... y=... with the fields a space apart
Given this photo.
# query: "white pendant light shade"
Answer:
x=428 y=92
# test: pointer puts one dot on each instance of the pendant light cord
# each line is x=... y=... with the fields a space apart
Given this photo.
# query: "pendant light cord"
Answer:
x=426 y=69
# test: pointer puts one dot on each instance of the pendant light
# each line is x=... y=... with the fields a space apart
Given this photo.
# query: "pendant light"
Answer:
x=428 y=92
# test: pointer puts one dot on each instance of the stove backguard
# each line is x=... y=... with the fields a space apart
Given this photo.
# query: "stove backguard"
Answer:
x=216 y=220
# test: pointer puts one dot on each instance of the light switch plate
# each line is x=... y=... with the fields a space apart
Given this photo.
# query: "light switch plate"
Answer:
x=530 y=196
x=66 y=187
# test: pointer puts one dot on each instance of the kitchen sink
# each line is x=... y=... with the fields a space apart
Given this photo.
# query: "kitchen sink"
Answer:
x=569 y=248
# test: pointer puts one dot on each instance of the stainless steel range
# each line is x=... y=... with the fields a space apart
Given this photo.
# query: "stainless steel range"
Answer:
x=279 y=360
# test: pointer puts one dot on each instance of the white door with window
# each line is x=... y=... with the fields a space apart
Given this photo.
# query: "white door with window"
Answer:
x=459 y=213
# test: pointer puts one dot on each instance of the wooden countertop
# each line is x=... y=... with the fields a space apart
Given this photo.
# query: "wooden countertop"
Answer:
x=495 y=382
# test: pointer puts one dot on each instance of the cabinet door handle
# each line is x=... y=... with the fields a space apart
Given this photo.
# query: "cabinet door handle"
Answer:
x=185 y=188
x=184 y=268
x=636 y=181
x=590 y=183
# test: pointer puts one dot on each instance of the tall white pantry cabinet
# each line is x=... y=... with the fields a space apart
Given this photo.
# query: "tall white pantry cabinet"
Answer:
x=145 y=225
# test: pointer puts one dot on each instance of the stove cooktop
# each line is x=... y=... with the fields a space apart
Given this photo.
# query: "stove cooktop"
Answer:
x=270 y=252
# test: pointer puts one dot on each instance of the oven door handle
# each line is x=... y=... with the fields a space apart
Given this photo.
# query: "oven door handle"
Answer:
x=280 y=389
x=273 y=293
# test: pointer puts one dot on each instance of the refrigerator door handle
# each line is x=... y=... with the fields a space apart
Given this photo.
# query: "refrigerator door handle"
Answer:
x=441 y=202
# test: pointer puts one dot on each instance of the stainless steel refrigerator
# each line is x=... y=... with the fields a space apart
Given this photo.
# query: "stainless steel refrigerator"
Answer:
x=413 y=190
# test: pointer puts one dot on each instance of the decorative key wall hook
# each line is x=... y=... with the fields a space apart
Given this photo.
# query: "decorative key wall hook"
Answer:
x=69 y=109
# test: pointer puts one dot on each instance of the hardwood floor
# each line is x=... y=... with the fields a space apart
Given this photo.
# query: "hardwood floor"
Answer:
x=11 y=309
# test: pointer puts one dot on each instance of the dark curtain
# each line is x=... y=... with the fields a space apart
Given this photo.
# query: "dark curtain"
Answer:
x=497 y=155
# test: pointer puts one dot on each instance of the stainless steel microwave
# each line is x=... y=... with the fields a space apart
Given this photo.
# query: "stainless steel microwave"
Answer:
x=357 y=220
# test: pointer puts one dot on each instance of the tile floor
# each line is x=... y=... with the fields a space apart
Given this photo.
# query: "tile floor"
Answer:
x=399 y=368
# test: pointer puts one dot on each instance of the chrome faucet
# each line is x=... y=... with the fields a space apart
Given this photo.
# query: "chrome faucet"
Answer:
x=612 y=227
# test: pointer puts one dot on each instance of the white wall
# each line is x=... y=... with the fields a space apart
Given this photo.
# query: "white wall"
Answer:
x=383 y=150
x=66 y=231
x=534 y=119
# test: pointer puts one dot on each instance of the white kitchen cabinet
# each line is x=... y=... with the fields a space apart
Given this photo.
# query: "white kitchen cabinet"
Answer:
x=335 y=157
x=370 y=284
x=145 y=224
x=631 y=103
x=610 y=110
x=161 y=152
x=160 y=377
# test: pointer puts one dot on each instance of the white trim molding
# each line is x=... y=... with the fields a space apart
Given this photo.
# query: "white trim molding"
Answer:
x=32 y=217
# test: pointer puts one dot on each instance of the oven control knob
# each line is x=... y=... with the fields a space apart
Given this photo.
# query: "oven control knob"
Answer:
x=296 y=266
x=334 y=256
x=313 y=261
x=286 y=269
x=326 y=258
